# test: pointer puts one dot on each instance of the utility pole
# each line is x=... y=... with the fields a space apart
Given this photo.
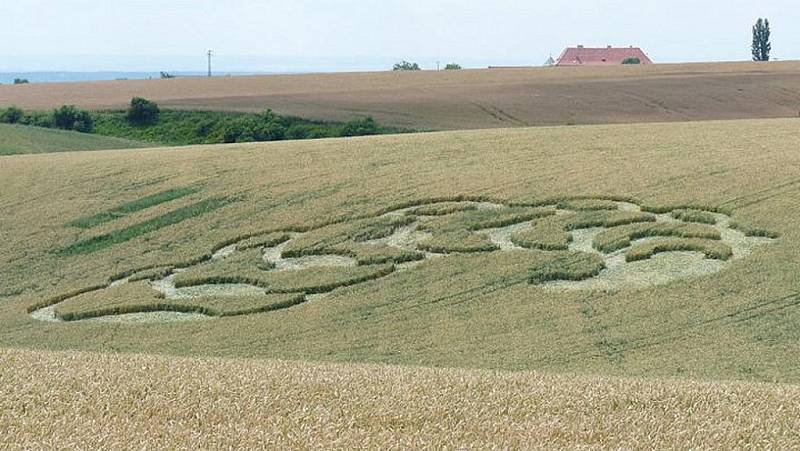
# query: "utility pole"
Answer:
x=210 y=53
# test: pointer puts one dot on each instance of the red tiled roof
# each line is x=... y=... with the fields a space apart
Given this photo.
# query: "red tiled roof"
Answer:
x=603 y=56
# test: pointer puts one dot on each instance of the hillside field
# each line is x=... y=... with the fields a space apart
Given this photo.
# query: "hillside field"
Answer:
x=467 y=99
x=18 y=139
x=637 y=250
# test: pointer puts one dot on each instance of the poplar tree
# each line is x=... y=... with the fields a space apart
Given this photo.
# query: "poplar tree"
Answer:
x=761 y=44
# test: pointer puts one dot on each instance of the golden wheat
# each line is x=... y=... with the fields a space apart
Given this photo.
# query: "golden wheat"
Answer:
x=83 y=400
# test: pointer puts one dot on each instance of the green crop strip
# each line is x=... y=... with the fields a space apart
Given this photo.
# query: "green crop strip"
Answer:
x=136 y=230
x=88 y=222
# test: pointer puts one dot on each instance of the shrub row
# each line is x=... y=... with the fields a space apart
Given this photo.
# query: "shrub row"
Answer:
x=144 y=121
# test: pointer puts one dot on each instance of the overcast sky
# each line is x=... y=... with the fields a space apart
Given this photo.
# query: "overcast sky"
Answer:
x=301 y=35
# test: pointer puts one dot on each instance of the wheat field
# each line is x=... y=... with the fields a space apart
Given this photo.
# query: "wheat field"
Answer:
x=440 y=290
x=73 y=222
x=90 y=401
x=467 y=99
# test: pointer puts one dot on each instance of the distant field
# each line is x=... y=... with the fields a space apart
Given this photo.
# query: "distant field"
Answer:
x=643 y=250
x=18 y=139
x=82 y=400
x=466 y=99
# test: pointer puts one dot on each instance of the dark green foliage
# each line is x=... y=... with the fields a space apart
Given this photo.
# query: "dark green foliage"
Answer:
x=761 y=44
x=69 y=117
x=360 y=127
x=87 y=222
x=11 y=115
x=145 y=122
x=452 y=66
x=166 y=75
x=21 y=81
x=136 y=230
x=405 y=66
x=207 y=127
x=631 y=60
x=142 y=112
x=252 y=129
x=37 y=119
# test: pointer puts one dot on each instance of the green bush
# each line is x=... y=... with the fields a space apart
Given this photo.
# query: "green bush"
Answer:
x=360 y=127
x=631 y=60
x=11 y=115
x=405 y=66
x=452 y=66
x=142 y=112
x=69 y=117
x=252 y=129
x=21 y=81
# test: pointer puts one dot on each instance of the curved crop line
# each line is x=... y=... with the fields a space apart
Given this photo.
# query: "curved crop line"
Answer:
x=648 y=250
x=179 y=308
x=549 y=273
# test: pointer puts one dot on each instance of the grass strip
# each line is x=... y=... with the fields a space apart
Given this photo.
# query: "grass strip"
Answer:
x=104 y=241
x=88 y=222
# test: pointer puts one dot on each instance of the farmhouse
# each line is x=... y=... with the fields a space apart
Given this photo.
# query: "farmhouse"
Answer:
x=600 y=56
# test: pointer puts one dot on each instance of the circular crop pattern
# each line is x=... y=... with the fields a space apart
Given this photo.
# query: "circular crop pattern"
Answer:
x=573 y=244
